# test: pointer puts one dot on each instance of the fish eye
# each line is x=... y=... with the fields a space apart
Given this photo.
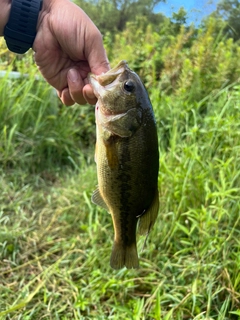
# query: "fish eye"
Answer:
x=129 y=86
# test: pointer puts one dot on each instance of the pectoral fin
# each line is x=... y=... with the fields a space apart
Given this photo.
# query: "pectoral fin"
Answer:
x=98 y=200
x=148 y=218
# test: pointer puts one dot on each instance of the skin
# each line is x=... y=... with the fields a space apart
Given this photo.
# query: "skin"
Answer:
x=68 y=46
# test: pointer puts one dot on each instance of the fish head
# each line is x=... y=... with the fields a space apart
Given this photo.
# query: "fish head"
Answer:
x=118 y=90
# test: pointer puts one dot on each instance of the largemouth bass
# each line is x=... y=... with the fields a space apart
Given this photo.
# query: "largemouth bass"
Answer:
x=127 y=159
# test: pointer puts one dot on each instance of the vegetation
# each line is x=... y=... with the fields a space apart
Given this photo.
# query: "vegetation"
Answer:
x=112 y=16
x=230 y=11
x=55 y=244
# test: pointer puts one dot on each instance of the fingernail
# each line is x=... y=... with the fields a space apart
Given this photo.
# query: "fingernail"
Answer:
x=73 y=75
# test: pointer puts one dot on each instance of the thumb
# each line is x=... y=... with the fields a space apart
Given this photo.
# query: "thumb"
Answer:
x=96 y=55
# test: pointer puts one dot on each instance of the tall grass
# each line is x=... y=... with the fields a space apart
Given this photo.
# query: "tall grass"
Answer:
x=36 y=130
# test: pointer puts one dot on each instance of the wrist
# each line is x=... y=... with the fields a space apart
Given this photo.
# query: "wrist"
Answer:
x=4 y=14
x=20 y=30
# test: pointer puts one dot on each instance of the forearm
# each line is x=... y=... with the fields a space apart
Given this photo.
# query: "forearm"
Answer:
x=4 y=14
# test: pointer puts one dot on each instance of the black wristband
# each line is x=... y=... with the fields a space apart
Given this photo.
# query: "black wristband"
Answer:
x=20 y=31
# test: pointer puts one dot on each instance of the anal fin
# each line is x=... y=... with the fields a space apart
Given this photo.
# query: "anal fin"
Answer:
x=148 y=218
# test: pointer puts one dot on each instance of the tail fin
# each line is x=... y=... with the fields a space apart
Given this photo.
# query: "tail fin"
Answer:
x=124 y=256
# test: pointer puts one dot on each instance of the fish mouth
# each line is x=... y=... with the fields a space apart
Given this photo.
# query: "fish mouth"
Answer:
x=106 y=82
x=111 y=75
x=107 y=79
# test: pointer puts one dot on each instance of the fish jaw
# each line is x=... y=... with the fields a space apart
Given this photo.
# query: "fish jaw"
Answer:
x=111 y=75
x=98 y=82
x=110 y=92
x=100 y=92
x=97 y=88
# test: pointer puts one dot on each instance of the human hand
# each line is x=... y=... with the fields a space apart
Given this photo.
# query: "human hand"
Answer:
x=67 y=47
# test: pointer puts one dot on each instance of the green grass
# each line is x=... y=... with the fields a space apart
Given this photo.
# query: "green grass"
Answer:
x=55 y=244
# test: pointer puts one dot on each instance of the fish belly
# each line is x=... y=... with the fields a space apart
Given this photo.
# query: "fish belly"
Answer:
x=127 y=189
